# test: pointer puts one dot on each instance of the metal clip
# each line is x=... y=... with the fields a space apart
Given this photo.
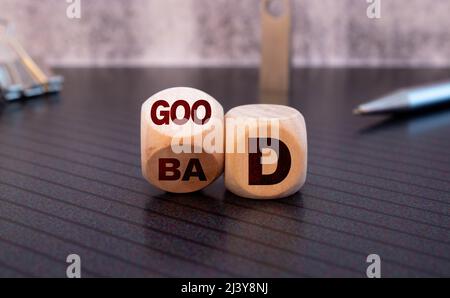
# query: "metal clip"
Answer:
x=19 y=74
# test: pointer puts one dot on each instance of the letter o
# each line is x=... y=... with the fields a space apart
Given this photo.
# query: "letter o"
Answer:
x=208 y=111
x=173 y=112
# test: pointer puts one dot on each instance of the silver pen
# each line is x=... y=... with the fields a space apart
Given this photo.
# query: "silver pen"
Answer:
x=407 y=99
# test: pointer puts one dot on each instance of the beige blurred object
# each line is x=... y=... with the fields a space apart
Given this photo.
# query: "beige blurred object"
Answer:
x=266 y=151
x=275 y=51
x=168 y=126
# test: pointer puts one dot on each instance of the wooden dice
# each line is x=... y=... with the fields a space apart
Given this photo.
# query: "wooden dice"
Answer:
x=266 y=151
x=182 y=139
x=185 y=142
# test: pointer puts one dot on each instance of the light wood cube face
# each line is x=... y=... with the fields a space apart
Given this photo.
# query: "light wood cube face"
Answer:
x=266 y=151
x=182 y=140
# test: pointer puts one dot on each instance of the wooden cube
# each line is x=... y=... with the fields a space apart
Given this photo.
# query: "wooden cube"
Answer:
x=182 y=139
x=266 y=151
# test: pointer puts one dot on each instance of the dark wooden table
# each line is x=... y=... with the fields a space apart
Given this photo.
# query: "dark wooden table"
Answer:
x=70 y=182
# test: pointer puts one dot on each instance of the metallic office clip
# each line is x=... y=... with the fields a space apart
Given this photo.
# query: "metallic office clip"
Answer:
x=20 y=76
x=9 y=90
x=275 y=50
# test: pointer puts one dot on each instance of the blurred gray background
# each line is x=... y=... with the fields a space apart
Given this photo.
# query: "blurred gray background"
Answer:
x=226 y=32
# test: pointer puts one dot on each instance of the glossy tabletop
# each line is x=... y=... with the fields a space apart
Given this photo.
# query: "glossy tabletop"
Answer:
x=70 y=183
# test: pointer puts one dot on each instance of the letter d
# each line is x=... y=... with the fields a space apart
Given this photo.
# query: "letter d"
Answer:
x=255 y=167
